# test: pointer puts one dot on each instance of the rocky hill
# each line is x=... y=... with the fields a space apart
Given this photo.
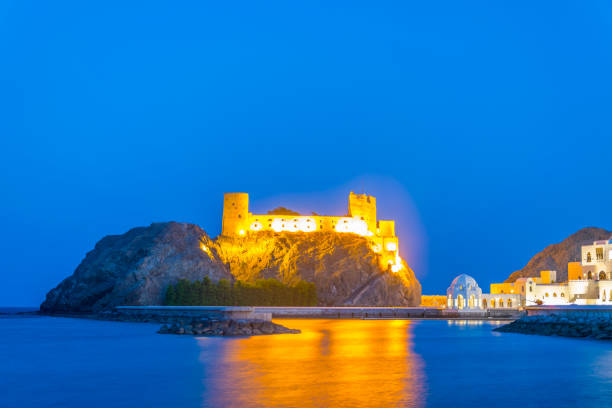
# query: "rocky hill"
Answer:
x=555 y=257
x=342 y=266
x=136 y=267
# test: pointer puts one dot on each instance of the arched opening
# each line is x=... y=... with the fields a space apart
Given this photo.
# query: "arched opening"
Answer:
x=484 y=303
x=472 y=302
x=460 y=302
x=602 y=275
x=588 y=257
x=492 y=303
x=509 y=302
x=590 y=275
x=554 y=294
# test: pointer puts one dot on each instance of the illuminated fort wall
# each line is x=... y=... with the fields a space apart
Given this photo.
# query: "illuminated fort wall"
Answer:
x=361 y=220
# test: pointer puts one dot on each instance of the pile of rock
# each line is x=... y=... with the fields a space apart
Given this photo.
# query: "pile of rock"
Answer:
x=563 y=324
x=224 y=327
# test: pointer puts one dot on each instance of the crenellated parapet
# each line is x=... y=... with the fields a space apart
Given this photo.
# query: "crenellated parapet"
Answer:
x=361 y=220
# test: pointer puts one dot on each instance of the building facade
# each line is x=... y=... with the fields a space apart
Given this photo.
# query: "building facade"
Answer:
x=361 y=220
x=589 y=281
x=465 y=294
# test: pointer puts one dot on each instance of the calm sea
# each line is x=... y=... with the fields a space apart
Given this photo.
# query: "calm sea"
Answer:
x=61 y=362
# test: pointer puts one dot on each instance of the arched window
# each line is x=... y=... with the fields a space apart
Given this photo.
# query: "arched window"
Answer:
x=492 y=303
x=546 y=294
x=554 y=294
x=509 y=302
x=602 y=275
x=588 y=257
x=460 y=302
x=484 y=303
x=590 y=275
x=562 y=294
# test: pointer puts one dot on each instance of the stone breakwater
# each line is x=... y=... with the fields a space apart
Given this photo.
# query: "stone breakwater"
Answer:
x=226 y=327
x=563 y=324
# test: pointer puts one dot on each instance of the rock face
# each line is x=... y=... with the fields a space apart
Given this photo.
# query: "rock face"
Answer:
x=343 y=268
x=563 y=324
x=135 y=268
x=206 y=327
x=555 y=257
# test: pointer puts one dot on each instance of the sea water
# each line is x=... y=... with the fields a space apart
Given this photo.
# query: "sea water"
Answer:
x=65 y=362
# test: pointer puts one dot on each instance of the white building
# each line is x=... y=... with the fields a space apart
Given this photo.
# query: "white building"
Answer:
x=589 y=282
x=465 y=294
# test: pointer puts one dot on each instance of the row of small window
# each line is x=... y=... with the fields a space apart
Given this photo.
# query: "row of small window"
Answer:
x=554 y=294
x=599 y=254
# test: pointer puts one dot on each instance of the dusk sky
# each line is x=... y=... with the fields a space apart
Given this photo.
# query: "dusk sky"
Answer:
x=484 y=128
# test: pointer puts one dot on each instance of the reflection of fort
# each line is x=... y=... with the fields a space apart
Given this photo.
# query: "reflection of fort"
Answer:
x=332 y=363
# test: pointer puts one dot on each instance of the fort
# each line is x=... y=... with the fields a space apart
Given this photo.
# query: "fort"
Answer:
x=361 y=220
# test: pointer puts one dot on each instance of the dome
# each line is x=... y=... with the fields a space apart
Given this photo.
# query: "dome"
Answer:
x=463 y=283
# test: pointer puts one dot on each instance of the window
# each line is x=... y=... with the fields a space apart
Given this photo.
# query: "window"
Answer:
x=555 y=294
x=239 y=216
x=509 y=302
x=588 y=257
x=602 y=275
x=590 y=275
x=546 y=294
x=599 y=254
x=562 y=294
x=530 y=288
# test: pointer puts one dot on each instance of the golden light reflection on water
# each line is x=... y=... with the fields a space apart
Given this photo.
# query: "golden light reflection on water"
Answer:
x=351 y=363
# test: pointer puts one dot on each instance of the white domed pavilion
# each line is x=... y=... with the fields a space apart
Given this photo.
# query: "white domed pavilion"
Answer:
x=463 y=293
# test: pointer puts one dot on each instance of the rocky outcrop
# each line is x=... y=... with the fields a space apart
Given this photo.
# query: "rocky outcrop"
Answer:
x=572 y=324
x=555 y=257
x=343 y=267
x=208 y=327
x=135 y=268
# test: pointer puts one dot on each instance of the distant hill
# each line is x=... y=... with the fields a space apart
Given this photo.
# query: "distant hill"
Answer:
x=555 y=257
x=282 y=211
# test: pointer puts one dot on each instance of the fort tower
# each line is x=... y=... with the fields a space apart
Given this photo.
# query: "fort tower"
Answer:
x=235 y=214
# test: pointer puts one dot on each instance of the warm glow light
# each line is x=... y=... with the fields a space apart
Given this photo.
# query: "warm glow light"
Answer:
x=205 y=249
x=241 y=232
x=391 y=246
x=256 y=226
x=353 y=225
x=397 y=266
x=376 y=248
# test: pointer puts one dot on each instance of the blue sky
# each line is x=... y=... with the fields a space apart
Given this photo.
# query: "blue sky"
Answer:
x=483 y=127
